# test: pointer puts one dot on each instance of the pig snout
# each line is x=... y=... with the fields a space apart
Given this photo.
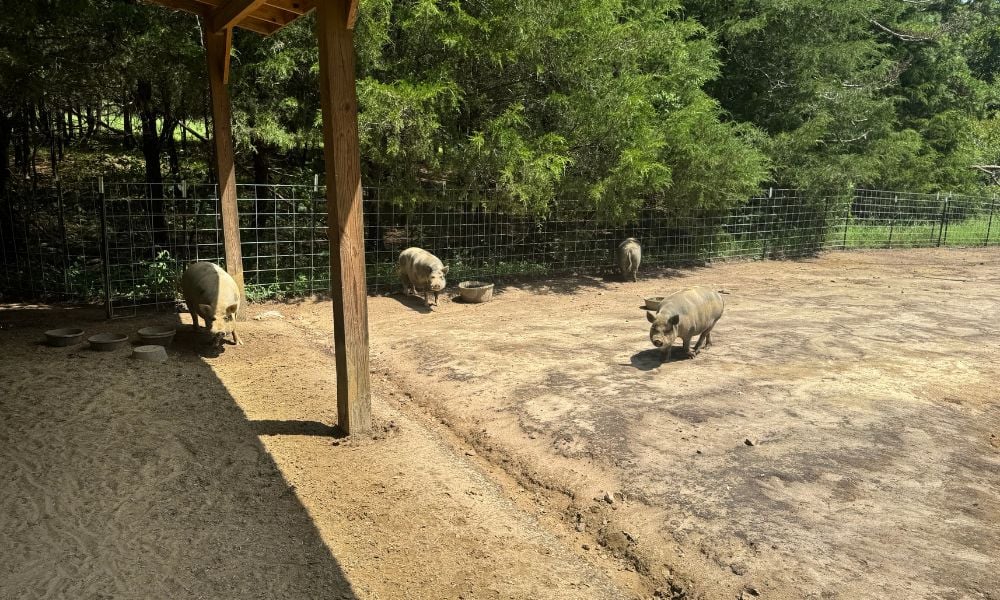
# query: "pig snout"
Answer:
x=657 y=342
x=437 y=283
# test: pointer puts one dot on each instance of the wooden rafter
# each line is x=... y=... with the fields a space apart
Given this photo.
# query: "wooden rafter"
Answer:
x=260 y=16
x=232 y=13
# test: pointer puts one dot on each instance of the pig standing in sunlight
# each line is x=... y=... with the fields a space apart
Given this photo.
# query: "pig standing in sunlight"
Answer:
x=685 y=314
x=212 y=294
x=421 y=271
x=629 y=256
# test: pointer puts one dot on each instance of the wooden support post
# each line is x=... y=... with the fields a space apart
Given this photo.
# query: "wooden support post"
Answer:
x=217 y=47
x=344 y=214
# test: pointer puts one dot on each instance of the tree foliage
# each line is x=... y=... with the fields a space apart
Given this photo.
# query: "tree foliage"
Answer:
x=608 y=104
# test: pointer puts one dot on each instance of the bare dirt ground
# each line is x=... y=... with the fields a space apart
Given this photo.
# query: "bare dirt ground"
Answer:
x=532 y=447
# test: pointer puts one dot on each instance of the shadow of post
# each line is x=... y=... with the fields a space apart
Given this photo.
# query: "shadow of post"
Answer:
x=150 y=470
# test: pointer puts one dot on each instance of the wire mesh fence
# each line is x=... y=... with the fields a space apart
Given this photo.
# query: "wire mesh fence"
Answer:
x=127 y=243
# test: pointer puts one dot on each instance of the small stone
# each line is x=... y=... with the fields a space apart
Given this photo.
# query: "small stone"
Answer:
x=609 y=498
x=270 y=314
x=581 y=526
x=697 y=451
x=586 y=546
x=738 y=568
x=470 y=452
x=751 y=441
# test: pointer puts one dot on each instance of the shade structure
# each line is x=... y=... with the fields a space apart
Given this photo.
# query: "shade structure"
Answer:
x=334 y=32
x=261 y=16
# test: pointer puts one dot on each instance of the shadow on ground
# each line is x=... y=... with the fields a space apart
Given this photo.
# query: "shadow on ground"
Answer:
x=122 y=476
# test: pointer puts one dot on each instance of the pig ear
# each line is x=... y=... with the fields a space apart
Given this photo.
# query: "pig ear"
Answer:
x=444 y=269
x=674 y=319
x=205 y=309
x=231 y=309
x=650 y=316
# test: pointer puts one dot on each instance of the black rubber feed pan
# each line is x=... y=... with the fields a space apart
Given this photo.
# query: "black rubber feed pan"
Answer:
x=105 y=342
x=157 y=335
x=69 y=336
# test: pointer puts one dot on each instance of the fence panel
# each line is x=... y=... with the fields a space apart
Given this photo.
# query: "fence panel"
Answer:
x=51 y=241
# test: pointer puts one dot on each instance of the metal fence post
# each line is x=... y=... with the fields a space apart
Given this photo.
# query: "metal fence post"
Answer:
x=62 y=235
x=105 y=252
x=847 y=216
x=892 y=220
x=944 y=217
x=989 y=224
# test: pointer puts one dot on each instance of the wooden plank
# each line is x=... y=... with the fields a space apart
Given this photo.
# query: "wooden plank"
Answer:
x=299 y=7
x=204 y=8
x=231 y=13
x=217 y=47
x=344 y=216
x=352 y=13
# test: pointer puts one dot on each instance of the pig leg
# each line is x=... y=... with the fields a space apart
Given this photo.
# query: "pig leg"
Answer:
x=194 y=319
x=704 y=340
x=406 y=283
x=236 y=340
x=687 y=348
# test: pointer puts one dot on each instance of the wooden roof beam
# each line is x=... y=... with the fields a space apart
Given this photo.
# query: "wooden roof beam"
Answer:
x=232 y=13
x=352 y=13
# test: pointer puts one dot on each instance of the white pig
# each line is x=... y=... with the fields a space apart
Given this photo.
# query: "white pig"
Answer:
x=421 y=271
x=685 y=314
x=212 y=294
x=629 y=255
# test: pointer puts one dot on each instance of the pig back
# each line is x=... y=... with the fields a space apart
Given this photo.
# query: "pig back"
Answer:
x=629 y=254
x=207 y=283
x=699 y=308
x=417 y=264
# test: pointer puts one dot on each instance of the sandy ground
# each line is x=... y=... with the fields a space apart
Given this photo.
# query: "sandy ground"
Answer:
x=532 y=447
x=219 y=477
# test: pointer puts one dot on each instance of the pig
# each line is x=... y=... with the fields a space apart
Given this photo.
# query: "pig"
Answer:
x=212 y=294
x=419 y=270
x=629 y=255
x=684 y=314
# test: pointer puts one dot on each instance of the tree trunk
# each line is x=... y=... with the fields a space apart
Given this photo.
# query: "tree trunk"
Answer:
x=151 y=148
x=91 y=123
x=128 y=141
x=172 y=156
x=65 y=128
x=5 y=128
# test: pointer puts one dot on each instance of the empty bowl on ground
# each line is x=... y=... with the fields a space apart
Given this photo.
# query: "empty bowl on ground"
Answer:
x=107 y=341
x=475 y=291
x=653 y=302
x=67 y=336
x=150 y=353
x=160 y=335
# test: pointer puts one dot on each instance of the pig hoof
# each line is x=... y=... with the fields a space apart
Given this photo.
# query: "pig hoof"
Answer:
x=691 y=354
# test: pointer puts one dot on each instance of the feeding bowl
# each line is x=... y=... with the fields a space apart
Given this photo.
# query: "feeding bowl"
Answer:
x=158 y=335
x=653 y=302
x=105 y=342
x=150 y=353
x=475 y=292
x=68 y=336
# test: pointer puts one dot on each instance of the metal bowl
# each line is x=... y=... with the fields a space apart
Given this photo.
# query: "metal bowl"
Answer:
x=653 y=302
x=158 y=335
x=106 y=342
x=475 y=292
x=68 y=336
x=150 y=353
